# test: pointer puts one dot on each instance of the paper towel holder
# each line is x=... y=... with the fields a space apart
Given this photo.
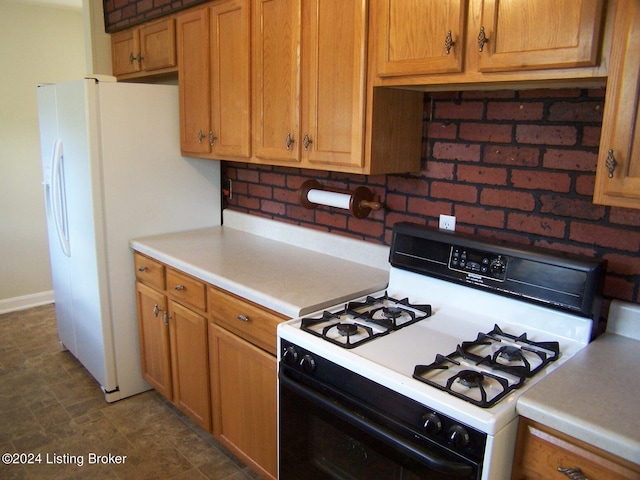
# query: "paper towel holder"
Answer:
x=361 y=203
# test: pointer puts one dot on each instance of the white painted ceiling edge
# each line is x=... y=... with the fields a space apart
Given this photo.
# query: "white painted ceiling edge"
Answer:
x=75 y=4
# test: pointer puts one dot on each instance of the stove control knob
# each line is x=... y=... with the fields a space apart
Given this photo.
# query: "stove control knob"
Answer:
x=290 y=355
x=308 y=364
x=458 y=436
x=498 y=266
x=432 y=423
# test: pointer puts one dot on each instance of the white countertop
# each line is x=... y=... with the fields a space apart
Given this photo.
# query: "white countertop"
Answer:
x=591 y=402
x=287 y=278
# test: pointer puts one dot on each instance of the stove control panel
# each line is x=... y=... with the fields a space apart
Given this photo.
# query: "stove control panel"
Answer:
x=477 y=262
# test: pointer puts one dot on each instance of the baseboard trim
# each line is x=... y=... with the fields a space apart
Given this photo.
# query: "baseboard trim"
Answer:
x=26 y=301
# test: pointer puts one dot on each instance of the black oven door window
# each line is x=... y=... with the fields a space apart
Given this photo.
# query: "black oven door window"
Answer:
x=320 y=439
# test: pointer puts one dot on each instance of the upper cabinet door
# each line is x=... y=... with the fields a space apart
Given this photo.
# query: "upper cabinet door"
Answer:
x=193 y=61
x=539 y=34
x=124 y=51
x=230 y=79
x=618 y=172
x=420 y=37
x=158 y=45
x=334 y=66
x=276 y=80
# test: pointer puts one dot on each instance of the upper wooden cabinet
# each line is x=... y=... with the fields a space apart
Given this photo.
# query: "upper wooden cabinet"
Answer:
x=276 y=79
x=618 y=171
x=149 y=49
x=213 y=53
x=311 y=104
x=537 y=34
x=195 y=100
x=413 y=35
x=487 y=40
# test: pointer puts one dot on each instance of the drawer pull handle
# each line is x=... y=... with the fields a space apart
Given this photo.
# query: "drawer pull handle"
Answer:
x=179 y=288
x=165 y=318
x=156 y=310
x=243 y=318
x=143 y=269
x=573 y=473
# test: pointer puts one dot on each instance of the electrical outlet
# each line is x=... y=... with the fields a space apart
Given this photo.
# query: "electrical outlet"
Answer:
x=447 y=222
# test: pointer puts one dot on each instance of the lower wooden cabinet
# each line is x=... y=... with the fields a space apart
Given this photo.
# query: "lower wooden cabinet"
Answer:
x=190 y=363
x=154 y=339
x=542 y=453
x=243 y=380
x=213 y=354
x=173 y=337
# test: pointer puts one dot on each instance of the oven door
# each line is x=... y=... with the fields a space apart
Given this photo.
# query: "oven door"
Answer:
x=326 y=434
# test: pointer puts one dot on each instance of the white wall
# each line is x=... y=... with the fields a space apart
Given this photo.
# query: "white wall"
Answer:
x=38 y=44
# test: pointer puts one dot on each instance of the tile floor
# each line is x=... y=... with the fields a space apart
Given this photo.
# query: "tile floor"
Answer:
x=51 y=406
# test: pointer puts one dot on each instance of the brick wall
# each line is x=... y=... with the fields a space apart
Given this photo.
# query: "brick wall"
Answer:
x=515 y=165
x=121 y=14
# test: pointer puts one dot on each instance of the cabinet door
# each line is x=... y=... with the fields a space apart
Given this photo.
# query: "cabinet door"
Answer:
x=190 y=364
x=193 y=71
x=243 y=388
x=333 y=69
x=538 y=34
x=619 y=184
x=158 y=45
x=154 y=339
x=412 y=36
x=230 y=79
x=276 y=79
x=125 y=47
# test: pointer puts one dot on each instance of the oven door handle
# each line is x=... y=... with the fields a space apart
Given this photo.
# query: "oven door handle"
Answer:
x=433 y=461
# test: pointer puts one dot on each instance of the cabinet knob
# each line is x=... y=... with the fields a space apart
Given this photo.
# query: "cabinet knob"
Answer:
x=131 y=58
x=448 y=43
x=306 y=141
x=482 y=39
x=143 y=269
x=243 y=318
x=212 y=137
x=200 y=136
x=165 y=318
x=156 y=310
x=179 y=288
x=611 y=163
x=288 y=141
x=573 y=473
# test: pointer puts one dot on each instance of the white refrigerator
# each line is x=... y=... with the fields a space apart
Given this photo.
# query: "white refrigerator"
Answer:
x=112 y=171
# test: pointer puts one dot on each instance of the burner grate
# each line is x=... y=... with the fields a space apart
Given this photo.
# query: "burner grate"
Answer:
x=512 y=359
x=374 y=317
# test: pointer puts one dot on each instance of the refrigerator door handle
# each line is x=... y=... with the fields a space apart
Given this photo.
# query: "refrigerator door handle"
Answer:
x=58 y=197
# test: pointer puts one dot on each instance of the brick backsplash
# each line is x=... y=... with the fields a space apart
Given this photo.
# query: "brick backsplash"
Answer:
x=514 y=165
x=121 y=14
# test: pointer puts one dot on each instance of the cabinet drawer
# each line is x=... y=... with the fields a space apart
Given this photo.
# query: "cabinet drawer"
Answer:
x=541 y=450
x=186 y=289
x=149 y=271
x=247 y=320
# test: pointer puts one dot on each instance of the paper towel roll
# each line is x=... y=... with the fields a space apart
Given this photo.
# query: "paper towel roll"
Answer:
x=331 y=199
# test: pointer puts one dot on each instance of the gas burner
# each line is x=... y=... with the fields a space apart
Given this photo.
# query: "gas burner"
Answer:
x=470 y=378
x=509 y=353
x=347 y=329
x=363 y=321
x=483 y=371
x=391 y=312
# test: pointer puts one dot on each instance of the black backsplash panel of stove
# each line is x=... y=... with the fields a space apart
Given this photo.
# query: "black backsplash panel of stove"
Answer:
x=561 y=281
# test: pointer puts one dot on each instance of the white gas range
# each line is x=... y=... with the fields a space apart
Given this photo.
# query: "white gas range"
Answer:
x=435 y=363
